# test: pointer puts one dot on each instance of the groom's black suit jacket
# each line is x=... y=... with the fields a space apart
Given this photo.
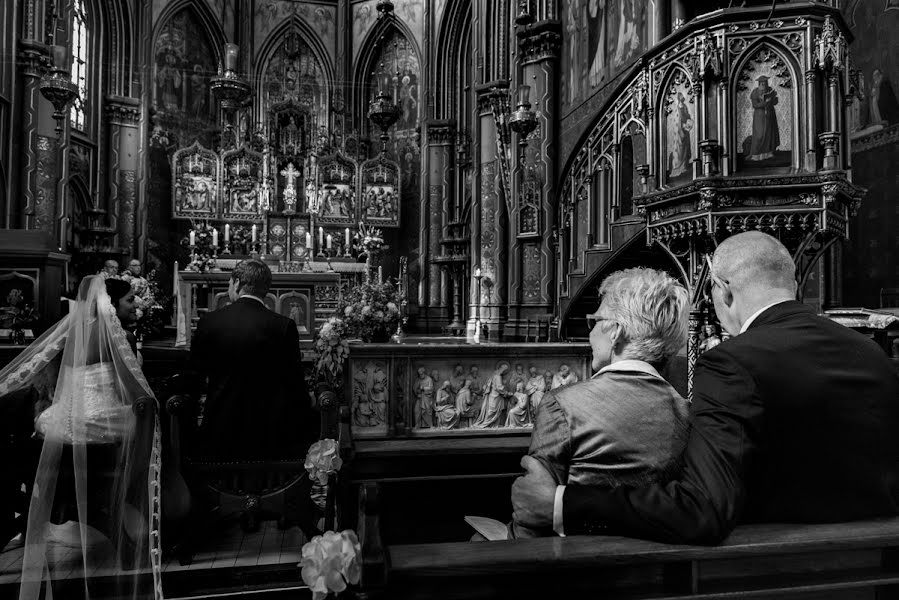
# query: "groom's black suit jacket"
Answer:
x=794 y=420
x=257 y=405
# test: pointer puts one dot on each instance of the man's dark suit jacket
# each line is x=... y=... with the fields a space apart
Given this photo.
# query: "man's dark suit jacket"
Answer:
x=256 y=405
x=794 y=420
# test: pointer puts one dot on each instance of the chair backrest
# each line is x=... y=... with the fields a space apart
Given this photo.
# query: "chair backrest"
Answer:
x=889 y=297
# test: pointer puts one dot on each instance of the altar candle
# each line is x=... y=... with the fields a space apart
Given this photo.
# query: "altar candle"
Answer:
x=215 y=237
x=253 y=234
x=192 y=236
x=477 y=272
x=347 y=237
x=321 y=236
x=328 y=239
x=308 y=240
x=231 y=51
x=380 y=275
x=227 y=233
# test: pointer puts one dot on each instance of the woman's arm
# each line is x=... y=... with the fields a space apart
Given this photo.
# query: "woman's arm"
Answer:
x=551 y=439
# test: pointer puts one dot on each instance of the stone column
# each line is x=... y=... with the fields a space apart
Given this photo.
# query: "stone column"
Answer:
x=530 y=273
x=123 y=115
x=811 y=120
x=36 y=145
x=440 y=136
x=489 y=213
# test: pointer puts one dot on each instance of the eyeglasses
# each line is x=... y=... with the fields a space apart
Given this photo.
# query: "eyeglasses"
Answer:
x=592 y=320
x=713 y=280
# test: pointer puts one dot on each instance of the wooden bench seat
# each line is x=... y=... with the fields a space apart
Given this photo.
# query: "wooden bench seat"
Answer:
x=841 y=560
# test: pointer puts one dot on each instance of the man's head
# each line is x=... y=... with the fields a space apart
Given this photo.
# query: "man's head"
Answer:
x=250 y=277
x=135 y=267
x=111 y=267
x=750 y=271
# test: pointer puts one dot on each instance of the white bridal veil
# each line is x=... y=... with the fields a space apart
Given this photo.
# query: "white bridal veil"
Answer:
x=99 y=467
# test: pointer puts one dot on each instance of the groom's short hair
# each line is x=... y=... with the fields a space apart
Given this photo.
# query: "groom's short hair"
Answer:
x=253 y=277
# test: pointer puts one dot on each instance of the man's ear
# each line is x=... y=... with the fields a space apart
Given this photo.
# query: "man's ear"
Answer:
x=727 y=296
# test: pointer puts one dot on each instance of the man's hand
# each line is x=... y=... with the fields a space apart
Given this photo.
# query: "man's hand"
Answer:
x=533 y=495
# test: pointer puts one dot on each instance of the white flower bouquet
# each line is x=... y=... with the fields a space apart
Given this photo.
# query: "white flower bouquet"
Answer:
x=322 y=460
x=331 y=562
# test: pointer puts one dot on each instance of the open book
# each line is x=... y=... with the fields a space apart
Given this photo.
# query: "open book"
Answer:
x=491 y=529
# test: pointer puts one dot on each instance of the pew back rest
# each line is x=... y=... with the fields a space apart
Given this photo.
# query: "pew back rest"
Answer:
x=756 y=560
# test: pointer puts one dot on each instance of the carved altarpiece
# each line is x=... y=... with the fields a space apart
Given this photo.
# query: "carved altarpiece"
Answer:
x=380 y=195
x=195 y=183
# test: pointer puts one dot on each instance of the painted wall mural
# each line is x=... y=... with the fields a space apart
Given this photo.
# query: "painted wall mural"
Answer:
x=601 y=38
x=764 y=108
x=365 y=14
x=680 y=134
x=184 y=62
x=321 y=19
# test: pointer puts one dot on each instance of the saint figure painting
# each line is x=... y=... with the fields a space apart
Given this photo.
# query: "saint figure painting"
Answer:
x=765 y=132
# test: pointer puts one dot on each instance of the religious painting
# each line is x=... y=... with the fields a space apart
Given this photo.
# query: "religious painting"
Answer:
x=185 y=61
x=295 y=306
x=241 y=177
x=371 y=397
x=336 y=201
x=600 y=38
x=679 y=128
x=321 y=20
x=195 y=177
x=487 y=395
x=365 y=15
x=764 y=109
x=380 y=194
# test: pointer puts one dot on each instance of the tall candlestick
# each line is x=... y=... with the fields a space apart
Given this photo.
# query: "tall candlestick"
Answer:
x=192 y=237
x=253 y=234
x=215 y=237
x=328 y=241
x=227 y=233
x=321 y=237
x=380 y=275
x=347 y=238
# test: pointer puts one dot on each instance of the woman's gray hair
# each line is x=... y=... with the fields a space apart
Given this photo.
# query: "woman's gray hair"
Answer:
x=651 y=307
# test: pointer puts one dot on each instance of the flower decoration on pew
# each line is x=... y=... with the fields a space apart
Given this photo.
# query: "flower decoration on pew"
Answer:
x=322 y=460
x=331 y=562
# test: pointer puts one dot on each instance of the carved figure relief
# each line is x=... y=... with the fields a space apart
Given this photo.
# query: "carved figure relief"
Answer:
x=241 y=175
x=337 y=193
x=370 y=395
x=764 y=105
x=380 y=192
x=194 y=183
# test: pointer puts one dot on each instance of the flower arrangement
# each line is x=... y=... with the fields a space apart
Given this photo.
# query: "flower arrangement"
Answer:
x=322 y=460
x=18 y=314
x=372 y=239
x=331 y=562
x=202 y=256
x=370 y=312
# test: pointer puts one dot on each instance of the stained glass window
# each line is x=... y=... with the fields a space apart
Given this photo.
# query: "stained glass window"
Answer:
x=79 y=64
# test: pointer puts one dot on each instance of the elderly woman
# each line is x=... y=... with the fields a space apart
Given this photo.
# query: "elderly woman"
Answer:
x=626 y=424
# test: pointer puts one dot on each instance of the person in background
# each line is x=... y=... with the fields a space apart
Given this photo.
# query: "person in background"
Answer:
x=794 y=419
x=110 y=268
x=135 y=267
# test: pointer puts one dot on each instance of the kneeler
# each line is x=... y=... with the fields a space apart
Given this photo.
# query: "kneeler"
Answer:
x=218 y=491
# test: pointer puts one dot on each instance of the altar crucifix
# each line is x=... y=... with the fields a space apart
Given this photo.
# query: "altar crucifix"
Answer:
x=290 y=175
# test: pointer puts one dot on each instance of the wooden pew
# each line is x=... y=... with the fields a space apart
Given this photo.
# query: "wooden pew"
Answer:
x=840 y=560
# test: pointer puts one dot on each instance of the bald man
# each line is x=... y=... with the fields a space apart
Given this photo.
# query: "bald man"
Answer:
x=794 y=419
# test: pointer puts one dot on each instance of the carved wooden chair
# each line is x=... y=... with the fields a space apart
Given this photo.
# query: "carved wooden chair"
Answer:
x=210 y=492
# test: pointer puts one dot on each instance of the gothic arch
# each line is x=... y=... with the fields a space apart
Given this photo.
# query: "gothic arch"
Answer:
x=371 y=47
x=791 y=76
x=210 y=24
x=453 y=39
x=117 y=41
x=273 y=43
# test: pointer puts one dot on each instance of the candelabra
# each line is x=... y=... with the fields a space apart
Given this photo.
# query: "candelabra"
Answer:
x=383 y=113
x=231 y=90
x=524 y=120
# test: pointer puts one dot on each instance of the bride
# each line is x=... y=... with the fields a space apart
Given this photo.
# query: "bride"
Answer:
x=99 y=465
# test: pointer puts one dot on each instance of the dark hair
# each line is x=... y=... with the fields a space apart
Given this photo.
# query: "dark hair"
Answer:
x=117 y=289
x=253 y=277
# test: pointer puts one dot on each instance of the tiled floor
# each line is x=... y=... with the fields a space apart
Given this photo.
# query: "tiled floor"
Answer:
x=231 y=549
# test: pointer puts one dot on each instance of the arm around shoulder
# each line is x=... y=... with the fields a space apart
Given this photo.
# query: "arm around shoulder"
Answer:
x=704 y=504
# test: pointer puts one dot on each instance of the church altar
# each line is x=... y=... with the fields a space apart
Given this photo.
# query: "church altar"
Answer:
x=306 y=298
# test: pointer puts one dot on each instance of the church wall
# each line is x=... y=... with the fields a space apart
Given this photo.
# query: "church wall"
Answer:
x=7 y=79
x=870 y=260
